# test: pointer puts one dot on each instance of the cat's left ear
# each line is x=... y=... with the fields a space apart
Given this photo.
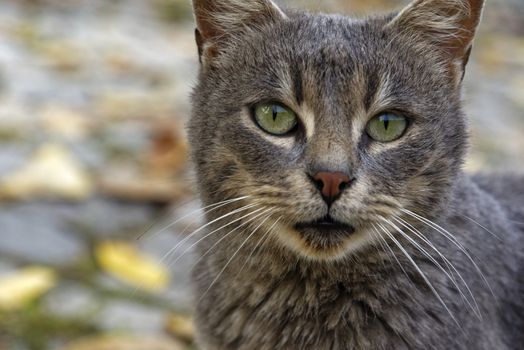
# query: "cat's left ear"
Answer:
x=448 y=25
x=220 y=21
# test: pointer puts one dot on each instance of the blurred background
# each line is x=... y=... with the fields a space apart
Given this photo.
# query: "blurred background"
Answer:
x=94 y=184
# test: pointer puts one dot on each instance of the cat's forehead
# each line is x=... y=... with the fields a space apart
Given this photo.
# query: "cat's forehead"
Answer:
x=331 y=49
x=319 y=37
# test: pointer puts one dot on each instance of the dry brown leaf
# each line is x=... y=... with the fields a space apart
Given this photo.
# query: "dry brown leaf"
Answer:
x=167 y=153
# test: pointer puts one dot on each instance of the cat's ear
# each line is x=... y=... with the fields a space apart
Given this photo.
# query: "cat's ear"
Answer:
x=448 y=25
x=218 y=21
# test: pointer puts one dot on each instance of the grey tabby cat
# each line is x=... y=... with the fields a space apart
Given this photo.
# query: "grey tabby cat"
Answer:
x=329 y=151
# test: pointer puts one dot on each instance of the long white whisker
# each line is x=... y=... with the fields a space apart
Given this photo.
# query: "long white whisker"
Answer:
x=419 y=234
x=426 y=240
x=215 y=206
x=262 y=240
x=246 y=207
x=165 y=213
x=481 y=226
x=446 y=260
x=520 y=223
x=221 y=239
x=212 y=206
x=229 y=261
x=475 y=309
x=392 y=253
x=376 y=237
x=453 y=240
x=424 y=277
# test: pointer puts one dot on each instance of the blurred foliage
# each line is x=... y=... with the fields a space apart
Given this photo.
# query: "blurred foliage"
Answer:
x=174 y=10
x=36 y=328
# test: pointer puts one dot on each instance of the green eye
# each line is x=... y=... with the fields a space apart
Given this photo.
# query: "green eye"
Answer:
x=387 y=127
x=275 y=119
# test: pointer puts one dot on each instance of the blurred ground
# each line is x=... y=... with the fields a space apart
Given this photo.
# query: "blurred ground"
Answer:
x=93 y=101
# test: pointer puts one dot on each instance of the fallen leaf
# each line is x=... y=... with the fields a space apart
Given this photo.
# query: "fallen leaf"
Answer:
x=51 y=172
x=24 y=286
x=123 y=261
x=123 y=342
x=167 y=152
x=181 y=327
x=131 y=187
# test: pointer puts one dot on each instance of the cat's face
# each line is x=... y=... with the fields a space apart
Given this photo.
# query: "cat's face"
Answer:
x=330 y=127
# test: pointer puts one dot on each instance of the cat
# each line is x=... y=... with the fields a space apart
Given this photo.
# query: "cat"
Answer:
x=328 y=154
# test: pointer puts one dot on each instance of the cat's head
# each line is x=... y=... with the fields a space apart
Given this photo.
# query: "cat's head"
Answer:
x=334 y=129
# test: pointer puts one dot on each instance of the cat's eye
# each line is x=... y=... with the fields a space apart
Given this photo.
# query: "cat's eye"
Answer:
x=275 y=118
x=387 y=127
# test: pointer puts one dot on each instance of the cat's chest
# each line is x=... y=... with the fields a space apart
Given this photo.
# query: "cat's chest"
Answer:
x=298 y=312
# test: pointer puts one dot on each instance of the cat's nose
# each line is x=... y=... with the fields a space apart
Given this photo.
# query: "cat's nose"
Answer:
x=331 y=184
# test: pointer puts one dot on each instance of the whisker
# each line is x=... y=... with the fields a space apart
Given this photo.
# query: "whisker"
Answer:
x=262 y=240
x=517 y=222
x=221 y=239
x=212 y=206
x=244 y=208
x=453 y=240
x=161 y=217
x=229 y=261
x=475 y=309
x=419 y=234
x=424 y=277
x=376 y=237
x=185 y=229
x=481 y=226
x=393 y=254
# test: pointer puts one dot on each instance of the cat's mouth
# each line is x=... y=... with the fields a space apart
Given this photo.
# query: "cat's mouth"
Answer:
x=324 y=233
x=325 y=225
x=325 y=238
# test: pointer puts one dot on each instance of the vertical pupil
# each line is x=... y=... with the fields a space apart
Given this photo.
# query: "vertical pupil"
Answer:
x=275 y=112
x=385 y=120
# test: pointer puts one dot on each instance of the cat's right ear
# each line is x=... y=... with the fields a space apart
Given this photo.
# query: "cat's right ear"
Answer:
x=219 y=21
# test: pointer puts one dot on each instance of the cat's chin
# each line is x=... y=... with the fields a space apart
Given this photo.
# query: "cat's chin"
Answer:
x=324 y=241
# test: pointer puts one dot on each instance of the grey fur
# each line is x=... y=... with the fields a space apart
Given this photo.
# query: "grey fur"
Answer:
x=281 y=295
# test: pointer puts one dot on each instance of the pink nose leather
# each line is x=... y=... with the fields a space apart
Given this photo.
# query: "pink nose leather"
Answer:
x=332 y=183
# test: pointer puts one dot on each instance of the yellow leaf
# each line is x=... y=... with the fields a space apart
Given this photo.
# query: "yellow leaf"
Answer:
x=181 y=327
x=126 y=263
x=52 y=171
x=125 y=342
x=24 y=286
